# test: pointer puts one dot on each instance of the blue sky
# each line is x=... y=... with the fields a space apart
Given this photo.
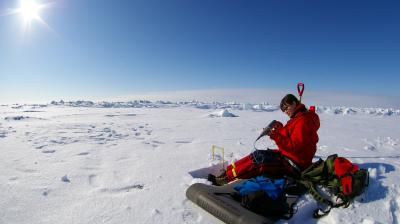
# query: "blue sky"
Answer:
x=97 y=48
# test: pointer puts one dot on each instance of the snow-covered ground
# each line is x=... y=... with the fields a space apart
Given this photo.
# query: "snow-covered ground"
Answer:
x=131 y=162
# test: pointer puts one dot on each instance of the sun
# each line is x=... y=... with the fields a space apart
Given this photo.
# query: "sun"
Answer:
x=30 y=10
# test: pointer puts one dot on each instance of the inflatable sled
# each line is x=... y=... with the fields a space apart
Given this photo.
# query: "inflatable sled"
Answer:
x=218 y=201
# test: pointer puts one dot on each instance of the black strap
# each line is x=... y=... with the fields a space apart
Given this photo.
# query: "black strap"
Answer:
x=318 y=213
x=291 y=212
x=292 y=164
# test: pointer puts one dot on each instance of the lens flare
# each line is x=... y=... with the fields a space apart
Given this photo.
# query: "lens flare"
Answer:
x=30 y=10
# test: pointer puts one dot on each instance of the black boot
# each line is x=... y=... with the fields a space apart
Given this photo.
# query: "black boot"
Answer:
x=221 y=179
x=212 y=179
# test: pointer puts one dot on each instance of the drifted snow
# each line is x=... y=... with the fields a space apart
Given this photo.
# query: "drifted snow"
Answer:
x=261 y=107
x=222 y=113
x=131 y=162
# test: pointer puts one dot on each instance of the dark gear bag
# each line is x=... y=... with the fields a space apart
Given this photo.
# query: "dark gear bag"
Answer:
x=266 y=197
x=340 y=177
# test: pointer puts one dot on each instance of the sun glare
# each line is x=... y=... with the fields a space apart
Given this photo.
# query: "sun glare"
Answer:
x=30 y=10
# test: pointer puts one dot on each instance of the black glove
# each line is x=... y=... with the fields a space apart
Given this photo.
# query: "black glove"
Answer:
x=273 y=126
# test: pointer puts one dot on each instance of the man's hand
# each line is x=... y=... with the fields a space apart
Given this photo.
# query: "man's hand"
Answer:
x=277 y=125
x=273 y=127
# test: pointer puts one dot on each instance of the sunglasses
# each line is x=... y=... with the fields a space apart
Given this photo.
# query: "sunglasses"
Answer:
x=285 y=107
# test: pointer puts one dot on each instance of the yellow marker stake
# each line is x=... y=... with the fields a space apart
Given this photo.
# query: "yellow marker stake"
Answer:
x=222 y=151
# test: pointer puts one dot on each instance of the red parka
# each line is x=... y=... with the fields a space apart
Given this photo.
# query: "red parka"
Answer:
x=298 y=139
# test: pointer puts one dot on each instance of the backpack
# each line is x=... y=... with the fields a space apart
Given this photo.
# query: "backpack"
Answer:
x=266 y=196
x=343 y=179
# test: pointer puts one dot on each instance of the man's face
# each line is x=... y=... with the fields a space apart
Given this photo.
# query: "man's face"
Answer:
x=288 y=109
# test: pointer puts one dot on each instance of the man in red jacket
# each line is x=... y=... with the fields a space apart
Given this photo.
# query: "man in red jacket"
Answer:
x=296 y=141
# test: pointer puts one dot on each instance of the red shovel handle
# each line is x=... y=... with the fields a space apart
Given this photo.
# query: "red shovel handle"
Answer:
x=300 y=88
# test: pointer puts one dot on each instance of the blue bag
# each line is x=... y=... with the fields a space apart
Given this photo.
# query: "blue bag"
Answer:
x=272 y=187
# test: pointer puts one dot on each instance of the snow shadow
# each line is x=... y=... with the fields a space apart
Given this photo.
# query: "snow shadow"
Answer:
x=375 y=190
x=215 y=169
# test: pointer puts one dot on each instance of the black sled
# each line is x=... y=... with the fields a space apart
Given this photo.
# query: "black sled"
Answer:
x=218 y=201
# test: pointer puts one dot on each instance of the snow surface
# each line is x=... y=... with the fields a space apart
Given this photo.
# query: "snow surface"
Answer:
x=131 y=162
